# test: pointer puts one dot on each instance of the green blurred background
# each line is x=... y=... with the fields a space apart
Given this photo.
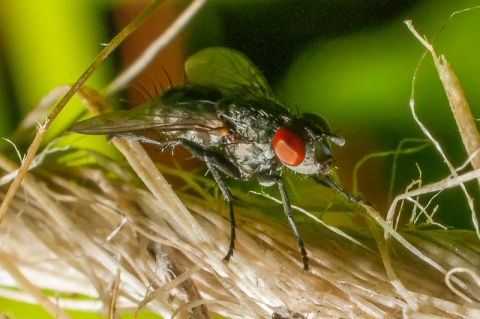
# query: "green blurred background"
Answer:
x=349 y=61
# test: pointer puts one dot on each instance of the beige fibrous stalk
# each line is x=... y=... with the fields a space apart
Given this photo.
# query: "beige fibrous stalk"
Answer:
x=113 y=237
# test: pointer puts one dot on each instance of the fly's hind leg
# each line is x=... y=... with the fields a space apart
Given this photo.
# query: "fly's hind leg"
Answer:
x=216 y=162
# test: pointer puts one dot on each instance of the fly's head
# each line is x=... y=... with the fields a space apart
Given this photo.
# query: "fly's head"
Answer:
x=303 y=144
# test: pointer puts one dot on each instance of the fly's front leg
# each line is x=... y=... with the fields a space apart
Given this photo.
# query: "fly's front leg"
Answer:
x=287 y=208
x=288 y=211
x=214 y=161
x=327 y=180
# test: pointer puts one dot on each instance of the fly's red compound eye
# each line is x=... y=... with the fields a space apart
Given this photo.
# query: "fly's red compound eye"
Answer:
x=289 y=146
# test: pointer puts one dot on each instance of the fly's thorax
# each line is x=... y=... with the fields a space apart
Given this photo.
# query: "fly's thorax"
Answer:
x=252 y=120
x=252 y=124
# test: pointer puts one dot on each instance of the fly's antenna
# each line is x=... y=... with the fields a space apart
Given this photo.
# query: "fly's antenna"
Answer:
x=337 y=140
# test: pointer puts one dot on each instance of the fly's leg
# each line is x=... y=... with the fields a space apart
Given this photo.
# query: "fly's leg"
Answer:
x=228 y=198
x=288 y=211
x=144 y=139
x=327 y=180
x=214 y=163
x=287 y=208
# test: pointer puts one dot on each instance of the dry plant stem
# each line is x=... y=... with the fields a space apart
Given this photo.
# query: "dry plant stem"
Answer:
x=113 y=304
x=181 y=278
x=458 y=103
x=147 y=56
x=148 y=173
x=363 y=287
x=40 y=111
x=383 y=247
x=474 y=153
x=36 y=293
x=61 y=217
x=397 y=152
x=387 y=262
x=95 y=103
x=389 y=231
x=474 y=276
x=333 y=229
x=32 y=150
x=165 y=289
x=155 y=182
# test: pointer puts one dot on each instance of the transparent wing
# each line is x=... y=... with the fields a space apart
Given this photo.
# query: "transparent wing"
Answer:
x=229 y=71
x=180 y=110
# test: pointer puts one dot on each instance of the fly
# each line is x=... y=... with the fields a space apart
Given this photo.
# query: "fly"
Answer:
x=227 y=116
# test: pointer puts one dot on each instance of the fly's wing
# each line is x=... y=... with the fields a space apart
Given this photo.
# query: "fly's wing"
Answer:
x=175 y=110
x=229 y=71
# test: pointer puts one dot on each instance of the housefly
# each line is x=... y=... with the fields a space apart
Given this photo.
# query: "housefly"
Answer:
x=227 y=115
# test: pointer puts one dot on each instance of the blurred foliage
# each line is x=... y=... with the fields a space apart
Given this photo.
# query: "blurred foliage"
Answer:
x=44 y=45
x=350 y=61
